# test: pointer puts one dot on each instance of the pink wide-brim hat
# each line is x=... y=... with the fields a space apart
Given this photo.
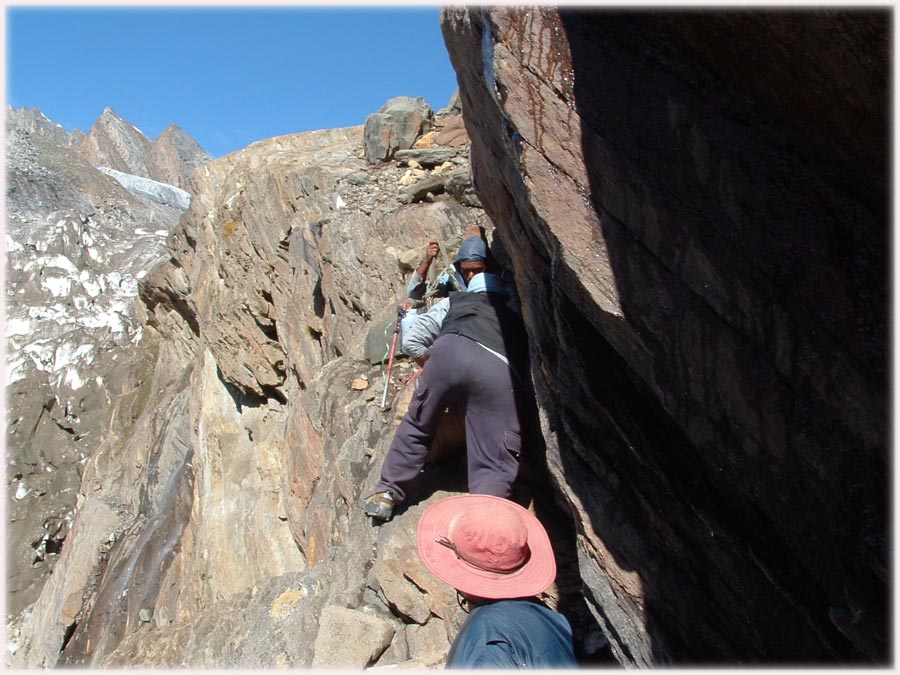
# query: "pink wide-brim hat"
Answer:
x=532 y=578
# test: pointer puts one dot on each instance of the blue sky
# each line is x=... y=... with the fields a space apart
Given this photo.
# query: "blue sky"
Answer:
x=227 y=76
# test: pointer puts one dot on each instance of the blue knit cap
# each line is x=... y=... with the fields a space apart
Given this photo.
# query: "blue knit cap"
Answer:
x=472 y=249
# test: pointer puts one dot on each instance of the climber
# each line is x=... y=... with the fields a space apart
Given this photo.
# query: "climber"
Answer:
x=499 y=559
x=476 y=271
x=444 y=284
x=474 y=352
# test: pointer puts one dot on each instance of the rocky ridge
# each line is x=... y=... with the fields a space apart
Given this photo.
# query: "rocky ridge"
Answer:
x=236 y=481
x=77 y=245
x=34 y=122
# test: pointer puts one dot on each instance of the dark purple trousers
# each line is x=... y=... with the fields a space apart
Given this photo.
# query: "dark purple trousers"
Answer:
x=461 y=373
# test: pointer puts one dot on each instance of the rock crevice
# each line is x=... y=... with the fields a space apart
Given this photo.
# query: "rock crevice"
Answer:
x=672 y=238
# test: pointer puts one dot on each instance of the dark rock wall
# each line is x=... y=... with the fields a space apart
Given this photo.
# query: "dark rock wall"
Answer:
x=695 y=204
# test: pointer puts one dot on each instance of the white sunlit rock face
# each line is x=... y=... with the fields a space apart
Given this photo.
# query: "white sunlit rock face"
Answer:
x=72 y=281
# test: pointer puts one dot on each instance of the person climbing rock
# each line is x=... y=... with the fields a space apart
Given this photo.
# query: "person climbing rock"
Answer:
x=499 y=559
x=474 y=352
x=416 y=287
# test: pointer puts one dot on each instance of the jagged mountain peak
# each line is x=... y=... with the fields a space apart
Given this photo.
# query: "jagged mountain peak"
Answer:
x=110 y=118
x=24 y=112
x=108 y=113
x=116 y=143
x=172 y=129
x=174 y=155
x=175 y=135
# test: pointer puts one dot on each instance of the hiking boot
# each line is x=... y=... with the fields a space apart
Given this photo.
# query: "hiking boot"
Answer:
x=380 y=505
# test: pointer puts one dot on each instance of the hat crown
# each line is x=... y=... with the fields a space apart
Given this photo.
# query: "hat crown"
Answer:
x=486 y=546
x=493 y=537
x=472 y=249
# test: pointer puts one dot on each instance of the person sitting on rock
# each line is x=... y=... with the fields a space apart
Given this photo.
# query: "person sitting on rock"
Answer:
x=499 y=559
x=474 y=352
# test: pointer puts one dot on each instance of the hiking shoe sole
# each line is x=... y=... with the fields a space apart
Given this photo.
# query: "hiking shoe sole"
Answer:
x=380 y=505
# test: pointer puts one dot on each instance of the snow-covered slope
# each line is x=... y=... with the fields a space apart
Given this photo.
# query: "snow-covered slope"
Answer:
x=71 y=283
x=78 y=241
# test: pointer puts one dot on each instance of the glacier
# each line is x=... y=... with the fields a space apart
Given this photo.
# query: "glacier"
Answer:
x=146 y=188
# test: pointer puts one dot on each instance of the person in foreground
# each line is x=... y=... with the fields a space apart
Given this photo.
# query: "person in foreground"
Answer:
x=498 y=557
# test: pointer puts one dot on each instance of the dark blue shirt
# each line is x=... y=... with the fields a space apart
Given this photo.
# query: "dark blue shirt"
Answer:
x=513 y=634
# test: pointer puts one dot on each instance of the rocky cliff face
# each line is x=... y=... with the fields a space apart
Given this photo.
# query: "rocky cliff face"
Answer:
x=77 y=244
x=704 y=287
x=222 y=518
x=695 y=207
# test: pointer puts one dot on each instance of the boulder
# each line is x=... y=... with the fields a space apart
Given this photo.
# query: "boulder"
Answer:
x=429 y=642
x=396 y=126
x=427 y=157
x=423 y=190
x=454 y=107
x=350 y=638
x=458 y=184
x=452 y=133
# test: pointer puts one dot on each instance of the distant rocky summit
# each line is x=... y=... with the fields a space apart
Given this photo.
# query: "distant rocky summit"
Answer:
x=114 y=143
x=697 y=226
x=34 y=122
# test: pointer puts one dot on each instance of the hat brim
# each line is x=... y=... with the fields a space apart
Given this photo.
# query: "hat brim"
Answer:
x=533 y=578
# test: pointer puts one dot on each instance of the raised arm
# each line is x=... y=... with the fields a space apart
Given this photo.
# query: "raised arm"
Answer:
x=415 y=289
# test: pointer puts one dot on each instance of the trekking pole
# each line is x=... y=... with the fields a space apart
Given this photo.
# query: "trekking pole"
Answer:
x=387 y=379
